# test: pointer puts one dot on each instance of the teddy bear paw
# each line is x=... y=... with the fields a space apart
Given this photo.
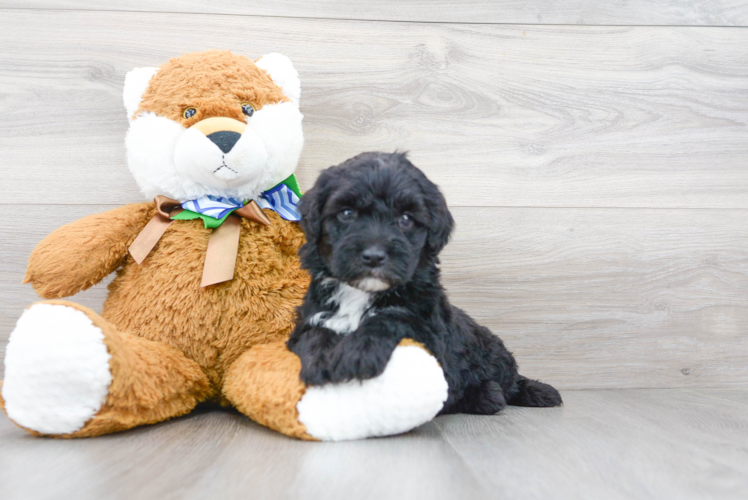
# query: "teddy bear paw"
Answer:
x=410 y=392
x=57 y=372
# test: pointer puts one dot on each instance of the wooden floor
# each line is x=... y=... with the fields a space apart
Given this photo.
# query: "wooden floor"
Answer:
x=636 y=444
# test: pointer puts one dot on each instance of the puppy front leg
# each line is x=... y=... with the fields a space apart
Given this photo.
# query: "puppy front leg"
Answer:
x=364 y=354
x=313 y=347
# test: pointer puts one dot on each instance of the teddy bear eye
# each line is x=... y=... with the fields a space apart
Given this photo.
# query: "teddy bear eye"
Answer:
x=248 y=109
x=189 y=113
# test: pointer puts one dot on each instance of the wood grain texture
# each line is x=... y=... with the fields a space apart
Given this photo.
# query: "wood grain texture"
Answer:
x=552 y=116
x=585 y=298
x=645 y=444
x=582 y=12
x=633 y=444
x=609 y=297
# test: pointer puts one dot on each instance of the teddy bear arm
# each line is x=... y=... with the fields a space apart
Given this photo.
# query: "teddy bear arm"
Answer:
x=264 y=384
x=78 y=255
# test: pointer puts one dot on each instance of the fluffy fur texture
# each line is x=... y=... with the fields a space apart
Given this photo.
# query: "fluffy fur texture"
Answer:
x=167 y=156
x=410 y=391
x=170 y=341
x=150 y=382
x=58 y=371
x=350 y=305
x=283 y=73
x=264 y=384
x=136 y=83
x=161 y=298
x=378 y=217
x=215 y=82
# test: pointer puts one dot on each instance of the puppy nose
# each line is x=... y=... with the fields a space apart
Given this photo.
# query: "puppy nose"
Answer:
x=224 y=139
x=373 y=256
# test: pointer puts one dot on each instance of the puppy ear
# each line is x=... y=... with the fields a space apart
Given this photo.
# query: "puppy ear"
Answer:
x=136 y=83
x=281 y=70
x=442 y=223
x=311 y=206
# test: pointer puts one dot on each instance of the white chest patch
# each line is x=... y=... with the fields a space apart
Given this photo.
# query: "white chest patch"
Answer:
x=352 y=305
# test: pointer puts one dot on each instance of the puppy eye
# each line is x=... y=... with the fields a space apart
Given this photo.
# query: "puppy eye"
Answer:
x=347 y=215
x=405 y=222
x=189 y=113
x=248 y=109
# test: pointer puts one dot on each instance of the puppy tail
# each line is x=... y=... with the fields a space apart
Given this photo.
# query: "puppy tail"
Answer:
x=533 y=393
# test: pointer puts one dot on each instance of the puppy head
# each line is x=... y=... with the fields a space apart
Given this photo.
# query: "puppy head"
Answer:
x=372 y=221
x=213 y=123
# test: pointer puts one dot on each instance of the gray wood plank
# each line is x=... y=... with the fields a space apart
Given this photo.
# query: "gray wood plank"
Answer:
x=222 y=454
x=582 y=12
x=673 y=443
x=557 y=116
x=607 y=297
x=612 y=445
x=418 y=465
x=585 y=298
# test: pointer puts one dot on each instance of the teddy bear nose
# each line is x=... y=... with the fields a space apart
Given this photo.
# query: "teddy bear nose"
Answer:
x=224 y=139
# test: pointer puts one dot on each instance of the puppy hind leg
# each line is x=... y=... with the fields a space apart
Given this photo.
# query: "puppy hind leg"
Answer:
x=532 y=393
x=485 y=399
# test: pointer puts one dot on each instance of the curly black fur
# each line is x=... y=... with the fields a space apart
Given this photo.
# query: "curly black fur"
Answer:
x=374 y=227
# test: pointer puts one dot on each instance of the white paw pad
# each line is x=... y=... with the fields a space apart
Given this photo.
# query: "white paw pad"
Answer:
x=56 y=370
x=410 y=392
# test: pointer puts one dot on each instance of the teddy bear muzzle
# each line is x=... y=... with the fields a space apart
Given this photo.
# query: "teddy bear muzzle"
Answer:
x=221 y=152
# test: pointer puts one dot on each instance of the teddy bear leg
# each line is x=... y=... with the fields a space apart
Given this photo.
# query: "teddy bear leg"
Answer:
x=70 y=373
x=264 y=384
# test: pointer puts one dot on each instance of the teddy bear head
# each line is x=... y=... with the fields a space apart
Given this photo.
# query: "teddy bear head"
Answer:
x=213 y=123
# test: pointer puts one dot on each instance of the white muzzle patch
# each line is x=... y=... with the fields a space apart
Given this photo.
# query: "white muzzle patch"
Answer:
x=184 y=164
x=202 y=161
x=372 y=285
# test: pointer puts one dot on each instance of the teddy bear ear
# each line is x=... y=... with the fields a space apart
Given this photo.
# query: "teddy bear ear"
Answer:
x=281 y=70
x=136 y=83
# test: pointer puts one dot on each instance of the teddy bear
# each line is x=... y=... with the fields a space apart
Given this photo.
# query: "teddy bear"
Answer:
x=207 y=277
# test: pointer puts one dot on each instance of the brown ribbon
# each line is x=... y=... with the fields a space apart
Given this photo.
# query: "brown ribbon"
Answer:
x=223 y=245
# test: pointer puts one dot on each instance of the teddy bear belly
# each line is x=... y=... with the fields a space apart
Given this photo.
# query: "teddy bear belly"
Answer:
x=162 y=300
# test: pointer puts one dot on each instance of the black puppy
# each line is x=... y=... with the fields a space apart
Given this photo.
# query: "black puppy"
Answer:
x=374 y=227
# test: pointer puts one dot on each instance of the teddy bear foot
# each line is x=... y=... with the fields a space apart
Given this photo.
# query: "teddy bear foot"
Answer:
x=71 y=373
x=56 y=370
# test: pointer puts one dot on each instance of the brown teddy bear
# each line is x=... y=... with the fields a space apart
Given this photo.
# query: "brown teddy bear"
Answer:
x=208 y=277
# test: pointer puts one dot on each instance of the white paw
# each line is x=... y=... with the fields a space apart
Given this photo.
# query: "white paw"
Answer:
x=410 y=392
x=56 y=370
